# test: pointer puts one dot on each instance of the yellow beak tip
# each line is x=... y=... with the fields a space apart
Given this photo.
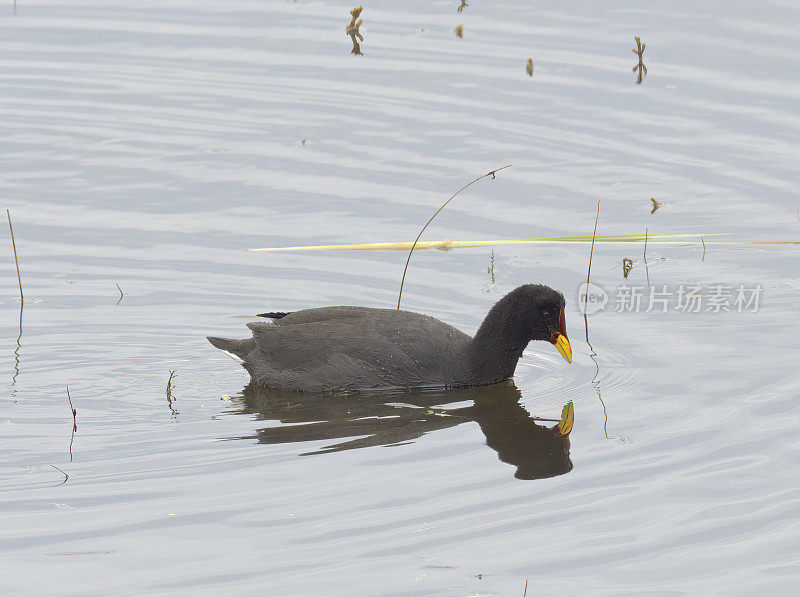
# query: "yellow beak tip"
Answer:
x=563 y=346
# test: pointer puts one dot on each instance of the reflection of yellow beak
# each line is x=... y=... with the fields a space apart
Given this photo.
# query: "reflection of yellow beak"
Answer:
x=567 y=419
x=562 y=345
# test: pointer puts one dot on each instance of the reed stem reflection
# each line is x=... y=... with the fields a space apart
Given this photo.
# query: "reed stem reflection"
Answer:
x=21 y=296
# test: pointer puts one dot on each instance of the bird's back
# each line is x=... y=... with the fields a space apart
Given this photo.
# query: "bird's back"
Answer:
x=347 y=348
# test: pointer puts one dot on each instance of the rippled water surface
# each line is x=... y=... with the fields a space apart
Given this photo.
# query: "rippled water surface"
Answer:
x=150 y=144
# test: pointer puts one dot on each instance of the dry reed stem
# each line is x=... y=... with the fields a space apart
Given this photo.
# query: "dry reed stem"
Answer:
x=74 y=412
x=591 y=253
x=408 y=260
x=169 y=384
x=16 y=261
x=170 y=399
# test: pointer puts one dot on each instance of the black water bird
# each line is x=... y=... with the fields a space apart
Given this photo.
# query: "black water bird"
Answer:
x=358 y=348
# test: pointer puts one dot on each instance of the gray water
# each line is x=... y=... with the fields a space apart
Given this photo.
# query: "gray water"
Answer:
x=150 y=144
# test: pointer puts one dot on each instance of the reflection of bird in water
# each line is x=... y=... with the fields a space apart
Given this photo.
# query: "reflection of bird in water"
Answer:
x=392 y=418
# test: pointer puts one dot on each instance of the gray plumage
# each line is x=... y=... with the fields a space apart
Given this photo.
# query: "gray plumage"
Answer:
x=350 y=348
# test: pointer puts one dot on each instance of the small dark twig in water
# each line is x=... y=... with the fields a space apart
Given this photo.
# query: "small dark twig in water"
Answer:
x=627 y=266
x=121 y=294
x=71 y=440
x=656 y=205
x=74 y=412
x=66 y=476
x=408 y=260
x=170 y=399
x=704 y=249
x=460 y=8
x=526 y=588
x=591 y=253
x=74 y=423
x=646 y=268
x=640 y=67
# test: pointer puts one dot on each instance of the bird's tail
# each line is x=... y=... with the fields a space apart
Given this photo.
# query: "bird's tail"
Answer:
x=236 y=349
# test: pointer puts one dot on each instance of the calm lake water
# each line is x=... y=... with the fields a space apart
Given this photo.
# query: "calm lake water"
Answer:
x=151 y=144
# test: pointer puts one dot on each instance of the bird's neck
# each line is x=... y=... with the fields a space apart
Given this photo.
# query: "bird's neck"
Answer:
x=496 y=348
